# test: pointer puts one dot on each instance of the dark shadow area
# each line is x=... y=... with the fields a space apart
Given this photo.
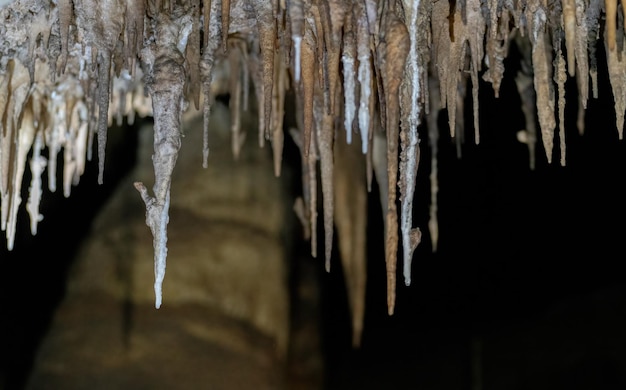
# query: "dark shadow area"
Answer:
x=527 y=272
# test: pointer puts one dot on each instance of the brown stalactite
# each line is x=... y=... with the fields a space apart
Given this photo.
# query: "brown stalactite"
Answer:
x=560 y=79
x=192 y=60
x=610 y=7
x=264 y=11
x=334 y=11
x=311 y=162
x=616 y=65
x=542 y=70
x=308 y=84
x=351 y=221
x=325 y=132
x=582 y=56
x=393 y=49
x=225 y=18
x=278 y=113
x=569 y=25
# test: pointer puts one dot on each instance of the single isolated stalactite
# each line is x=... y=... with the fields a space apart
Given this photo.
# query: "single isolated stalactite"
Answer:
x=165 y=83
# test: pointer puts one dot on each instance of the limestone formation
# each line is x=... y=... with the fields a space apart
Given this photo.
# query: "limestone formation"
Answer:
x=69 y=68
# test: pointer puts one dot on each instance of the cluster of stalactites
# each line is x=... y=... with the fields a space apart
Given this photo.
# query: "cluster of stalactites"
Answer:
x=364 y=70
x=49 y=106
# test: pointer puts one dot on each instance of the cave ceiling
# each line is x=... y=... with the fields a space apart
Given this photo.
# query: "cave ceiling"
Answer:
x=359 y=70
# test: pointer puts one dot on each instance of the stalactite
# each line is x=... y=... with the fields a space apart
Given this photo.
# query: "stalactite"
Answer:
x=165 y=83
x=37 y=165
x=343 y=60
x=364 y=75
x=392 y=51
x=610 y=7
x=296 y=17
x=335 y=11
x=308 y=80
x=592 y=16
x=542 y=70
x=616 y=65
x=104 y=72
x=278 y=113
x=212 y=35
x=560 y=78
x=225 y=18
x=495 y=46
x=582 y=62
x=24 y=133
x=192 y=60
x=348 y=57
x=570 y=27
x=409 y=141
x=311 y=162
x=65 y=12
x=351 y=220
x=266 y=26
x=325 y=132
x=16 y=141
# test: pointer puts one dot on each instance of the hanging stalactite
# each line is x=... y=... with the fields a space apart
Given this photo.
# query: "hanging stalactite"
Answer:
x=375 y=69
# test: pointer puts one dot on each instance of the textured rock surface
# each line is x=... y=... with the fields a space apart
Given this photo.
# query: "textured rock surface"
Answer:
x=225 y=321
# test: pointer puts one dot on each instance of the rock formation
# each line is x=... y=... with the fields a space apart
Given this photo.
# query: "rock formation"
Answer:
x=356 y=69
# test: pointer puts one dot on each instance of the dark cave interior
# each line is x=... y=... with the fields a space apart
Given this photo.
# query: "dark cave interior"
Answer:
x=514 y=244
